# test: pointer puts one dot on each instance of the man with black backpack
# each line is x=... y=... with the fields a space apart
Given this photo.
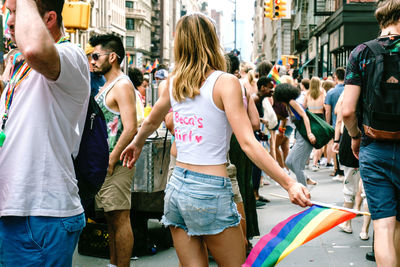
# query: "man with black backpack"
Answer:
x=371 y=113
x=117 y=100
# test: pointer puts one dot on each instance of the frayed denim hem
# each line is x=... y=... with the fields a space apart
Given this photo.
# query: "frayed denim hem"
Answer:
x=167 y=223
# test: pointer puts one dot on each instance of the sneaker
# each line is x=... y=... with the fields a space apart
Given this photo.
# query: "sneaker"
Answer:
x=314 y=168
x=339 y=178
x=345 y=228
x=263 y=199
x=329 y=165
x=364 y=236
x=260 y=203
x=370 y=256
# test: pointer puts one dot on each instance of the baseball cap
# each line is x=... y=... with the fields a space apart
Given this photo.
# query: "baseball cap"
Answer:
x=161 y=74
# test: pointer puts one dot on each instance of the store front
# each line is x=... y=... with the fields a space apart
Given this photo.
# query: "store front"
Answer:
x=348 y=27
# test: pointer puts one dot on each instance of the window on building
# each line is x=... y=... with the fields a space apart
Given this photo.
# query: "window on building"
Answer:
x=129 y=4
x=130 y=24
x=130 y=41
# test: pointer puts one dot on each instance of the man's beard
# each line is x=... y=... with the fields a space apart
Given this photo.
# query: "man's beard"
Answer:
x=106 y=67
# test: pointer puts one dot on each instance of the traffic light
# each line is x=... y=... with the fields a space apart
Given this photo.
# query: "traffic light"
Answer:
x=268 y=8
x=76 y=15
x=280 y=8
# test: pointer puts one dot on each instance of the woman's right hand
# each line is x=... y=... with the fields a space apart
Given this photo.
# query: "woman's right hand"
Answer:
x=130 y=155
x=299 y=195
x=312 y=138
x=335 y=148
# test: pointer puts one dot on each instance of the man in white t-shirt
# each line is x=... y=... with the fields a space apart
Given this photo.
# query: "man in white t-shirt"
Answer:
x=41 y=216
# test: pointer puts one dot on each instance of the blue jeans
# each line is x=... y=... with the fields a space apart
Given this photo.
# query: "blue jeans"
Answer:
x=200 y=204
x=380 y=172
x=39 y=241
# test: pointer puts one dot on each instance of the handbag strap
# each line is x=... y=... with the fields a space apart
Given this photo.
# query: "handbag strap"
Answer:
x=164 y=150
x=298 y=117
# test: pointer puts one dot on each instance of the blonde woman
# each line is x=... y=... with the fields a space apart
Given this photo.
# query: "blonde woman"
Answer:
x=314 y=101
x=207 y=105
x=248 y=78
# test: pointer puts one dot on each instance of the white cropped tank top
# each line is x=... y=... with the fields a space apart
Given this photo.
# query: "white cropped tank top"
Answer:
x=202 y=130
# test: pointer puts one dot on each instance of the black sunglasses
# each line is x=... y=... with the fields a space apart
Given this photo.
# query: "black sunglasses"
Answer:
x=96 y=56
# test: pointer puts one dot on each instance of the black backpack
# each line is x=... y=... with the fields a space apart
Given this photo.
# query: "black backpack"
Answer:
x=91 y=163
x=381 y=99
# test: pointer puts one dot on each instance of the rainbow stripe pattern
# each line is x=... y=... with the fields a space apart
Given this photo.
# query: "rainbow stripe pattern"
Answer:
x=293 y=232
x=274 y=75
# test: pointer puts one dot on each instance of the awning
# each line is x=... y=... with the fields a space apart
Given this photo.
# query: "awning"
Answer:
x=308 y=62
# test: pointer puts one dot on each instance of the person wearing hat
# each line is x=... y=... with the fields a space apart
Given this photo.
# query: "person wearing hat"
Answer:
x=160 y=75
x=96 y=80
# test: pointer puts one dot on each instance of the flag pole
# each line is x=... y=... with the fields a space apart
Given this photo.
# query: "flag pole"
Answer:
x=328 y=205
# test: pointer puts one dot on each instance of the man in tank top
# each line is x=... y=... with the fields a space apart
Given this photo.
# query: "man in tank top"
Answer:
x=117 y=101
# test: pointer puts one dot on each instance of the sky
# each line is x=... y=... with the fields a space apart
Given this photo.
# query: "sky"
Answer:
x=245 y=12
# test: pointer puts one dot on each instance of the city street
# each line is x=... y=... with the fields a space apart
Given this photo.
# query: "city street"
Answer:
x=334 y=248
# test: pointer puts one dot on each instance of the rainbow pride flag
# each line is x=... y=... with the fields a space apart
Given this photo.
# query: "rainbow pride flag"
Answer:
x=294 y=232
x=155 y=64
x=148 y=67
x=274 y=75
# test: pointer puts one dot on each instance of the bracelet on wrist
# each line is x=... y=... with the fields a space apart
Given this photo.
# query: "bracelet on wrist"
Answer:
x=281 y=129
x=336 y=141
x=358 y=136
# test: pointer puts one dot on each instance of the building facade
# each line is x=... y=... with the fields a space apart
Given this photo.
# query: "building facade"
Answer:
x=138 y=32
x=325 y=32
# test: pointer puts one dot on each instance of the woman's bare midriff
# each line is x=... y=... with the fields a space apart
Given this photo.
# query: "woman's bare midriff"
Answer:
x=217 y=170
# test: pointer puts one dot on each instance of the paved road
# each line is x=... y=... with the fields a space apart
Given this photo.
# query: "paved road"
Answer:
x=332 y=249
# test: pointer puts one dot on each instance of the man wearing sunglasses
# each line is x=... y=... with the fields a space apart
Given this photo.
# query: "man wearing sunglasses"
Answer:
x=117 y=101
x=43 y=106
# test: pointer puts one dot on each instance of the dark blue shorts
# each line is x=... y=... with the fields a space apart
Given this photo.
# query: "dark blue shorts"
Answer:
x=380 y=172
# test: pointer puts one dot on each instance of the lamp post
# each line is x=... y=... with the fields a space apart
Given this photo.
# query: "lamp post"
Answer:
x=235 y=21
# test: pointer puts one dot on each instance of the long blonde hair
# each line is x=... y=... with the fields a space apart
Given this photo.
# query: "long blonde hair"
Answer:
x=315 y=88
x=197 y=50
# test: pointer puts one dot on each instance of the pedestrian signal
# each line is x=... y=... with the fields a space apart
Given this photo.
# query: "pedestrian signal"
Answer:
x=268 y=7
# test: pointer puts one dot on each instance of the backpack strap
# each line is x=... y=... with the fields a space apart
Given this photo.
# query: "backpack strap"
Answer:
x=376 y=48
x=378 y=51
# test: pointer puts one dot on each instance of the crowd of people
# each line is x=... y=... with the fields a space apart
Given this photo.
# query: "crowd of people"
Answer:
x=234 y=128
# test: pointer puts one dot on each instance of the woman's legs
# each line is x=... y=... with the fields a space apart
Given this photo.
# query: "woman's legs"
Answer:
x=240 y=208
x=285 y=149
x=227 y=248
x=278 y=153
x=190 y=249
x=272 y=144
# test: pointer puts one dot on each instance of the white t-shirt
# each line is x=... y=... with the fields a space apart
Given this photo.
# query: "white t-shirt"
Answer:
x=37 y=175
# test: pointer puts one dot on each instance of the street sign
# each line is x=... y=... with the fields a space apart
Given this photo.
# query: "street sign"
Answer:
x=139 y=60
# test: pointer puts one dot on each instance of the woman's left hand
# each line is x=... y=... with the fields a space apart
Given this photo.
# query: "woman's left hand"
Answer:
x=312 y=138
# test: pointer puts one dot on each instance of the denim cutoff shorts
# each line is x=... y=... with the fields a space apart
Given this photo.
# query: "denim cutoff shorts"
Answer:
x=380 y=172
x=200 y=204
